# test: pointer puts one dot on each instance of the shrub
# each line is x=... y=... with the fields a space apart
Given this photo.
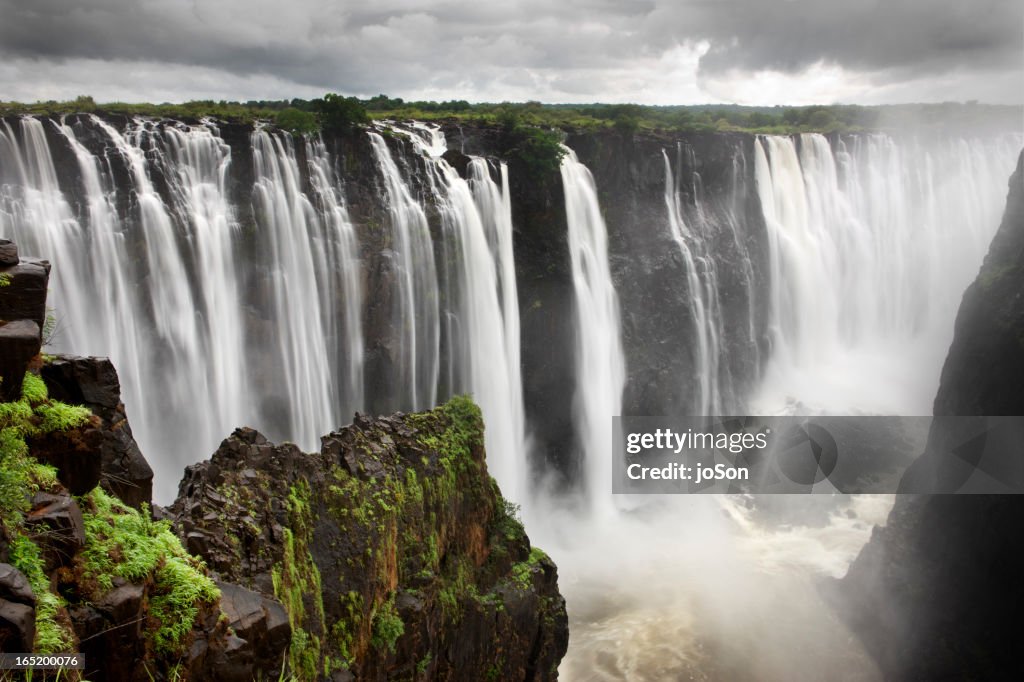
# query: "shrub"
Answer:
x=340 y=114
x=296 y=121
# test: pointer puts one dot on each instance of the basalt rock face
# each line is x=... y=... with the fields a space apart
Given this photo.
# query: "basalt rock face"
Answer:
x=107 y=453
x=391 y=550
x=22 y=315
x=720 y=209
x=936 y=593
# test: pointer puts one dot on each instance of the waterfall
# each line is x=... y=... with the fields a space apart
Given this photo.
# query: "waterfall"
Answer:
x=151 y=268
x=415 y=315
x=295 y=238
x=340 y=284
x=703 y=300
x=872 y=242
x=600 y=365
x=107 y=259
x=483 y=334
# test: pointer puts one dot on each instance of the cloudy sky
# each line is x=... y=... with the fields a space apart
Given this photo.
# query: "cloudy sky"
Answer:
x=649 y=51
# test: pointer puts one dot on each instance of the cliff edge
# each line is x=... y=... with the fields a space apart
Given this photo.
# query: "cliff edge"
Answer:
x=936 y=593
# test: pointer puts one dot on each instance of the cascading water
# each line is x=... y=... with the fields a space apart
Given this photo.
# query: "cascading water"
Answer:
x=674 y=588
x=415 y=313
x=168 y=295
x=870 y=249
x=295 y=235
x=483 y=343
x=703 y=300
x=338 y=251
x=600 y=364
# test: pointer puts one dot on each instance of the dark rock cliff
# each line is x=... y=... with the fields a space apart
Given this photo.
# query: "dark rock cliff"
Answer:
x=391 y=549
x=936 y=593
x=721 y=210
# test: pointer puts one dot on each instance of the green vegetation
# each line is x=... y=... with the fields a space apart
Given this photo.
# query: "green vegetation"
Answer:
x=120 y=542
x=387 y=626
x=20 y=477
x=126 y=542
x=297 y=585
x=523 y=571
x=20 y=474
x=339 y=114
x=540 y=150
x=52 y=636
x=296 y=121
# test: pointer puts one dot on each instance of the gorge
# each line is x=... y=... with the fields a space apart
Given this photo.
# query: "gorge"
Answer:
x=239 y=275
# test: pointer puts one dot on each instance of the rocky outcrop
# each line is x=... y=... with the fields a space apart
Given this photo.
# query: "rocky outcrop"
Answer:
x=17 y=611
x=936 y=593
x=110 y=453
x=390 y=554
x=391 y=550
x=22 y=315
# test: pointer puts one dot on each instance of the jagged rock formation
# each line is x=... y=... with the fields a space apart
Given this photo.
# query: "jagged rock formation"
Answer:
x=107 y=450
x=388 y=555
x=22 y=315
x=391 y=549
x=936 y=593
x=83 y=571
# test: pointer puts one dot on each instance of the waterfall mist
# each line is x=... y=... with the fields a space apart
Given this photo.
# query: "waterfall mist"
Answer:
x=600 y=365
x=871 y=245
x=871 y=242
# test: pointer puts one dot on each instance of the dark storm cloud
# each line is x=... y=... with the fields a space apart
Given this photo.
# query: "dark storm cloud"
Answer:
x=907 y=35
x=403 y=46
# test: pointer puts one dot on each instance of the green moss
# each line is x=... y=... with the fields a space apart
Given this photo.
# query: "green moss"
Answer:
x=60 y=417
x=522 y=573
x=387 y=626
x=51 y=636
x=20 y=474
x=33 y=389
x=297 y=581
x=35 y=414
x=124 y=542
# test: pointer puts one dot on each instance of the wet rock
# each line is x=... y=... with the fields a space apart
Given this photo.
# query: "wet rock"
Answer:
x=8 y=252
x=260 y=622
x=76 y=455
x=17 y=626
x=234 y=663
x=56 y=521
x=108 y=448
x=24 y=296
x=14 y=586
x=123 y=604
x=19 y=343
x=17 y=611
